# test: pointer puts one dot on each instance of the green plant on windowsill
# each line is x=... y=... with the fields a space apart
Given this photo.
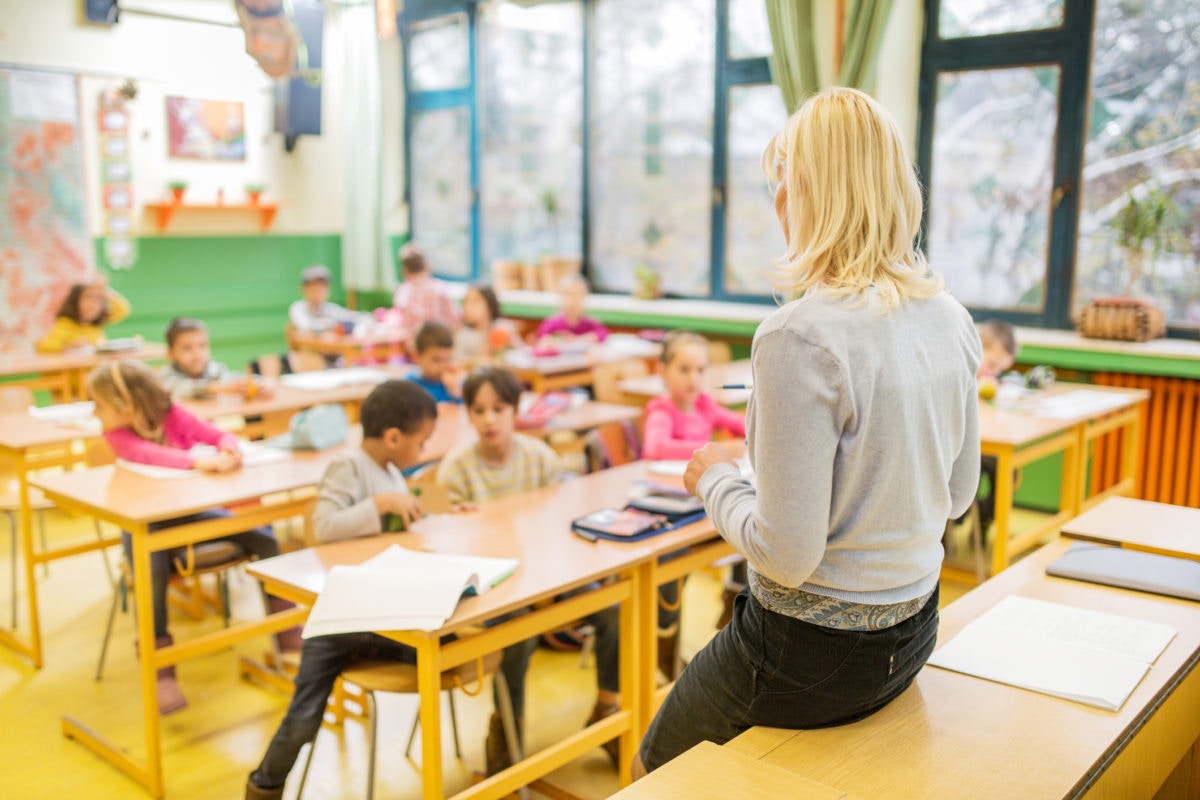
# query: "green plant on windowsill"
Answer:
x=1151 y=220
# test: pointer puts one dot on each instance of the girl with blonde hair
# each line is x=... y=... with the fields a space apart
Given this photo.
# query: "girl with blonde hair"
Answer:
x=863 y=432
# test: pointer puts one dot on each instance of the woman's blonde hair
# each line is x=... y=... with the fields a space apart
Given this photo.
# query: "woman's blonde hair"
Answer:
x=853 y=201
x=130 y=385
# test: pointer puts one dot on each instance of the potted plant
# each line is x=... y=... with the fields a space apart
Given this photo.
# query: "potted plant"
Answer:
x=647 y=285
x=177 y=188
x=1139 y=222
x=254 y=191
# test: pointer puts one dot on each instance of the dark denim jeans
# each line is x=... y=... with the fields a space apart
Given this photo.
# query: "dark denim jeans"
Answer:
x=322 y=659
x=765 y=668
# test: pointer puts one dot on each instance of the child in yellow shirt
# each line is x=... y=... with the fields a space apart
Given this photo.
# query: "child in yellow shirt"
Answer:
x=87 y=308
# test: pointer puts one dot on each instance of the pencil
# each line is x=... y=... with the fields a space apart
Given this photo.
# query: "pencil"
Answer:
x=736 y=386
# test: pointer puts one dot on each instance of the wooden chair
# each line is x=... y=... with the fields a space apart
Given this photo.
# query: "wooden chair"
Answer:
x=423 y=481
x=306 y=361
x=203 y=558
x=606 y=379
x=377 y=676
x=719 y=352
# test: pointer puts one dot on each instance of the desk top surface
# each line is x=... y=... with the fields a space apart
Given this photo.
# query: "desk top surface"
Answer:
x=1156 y=527
x=949 y=731
x=523 y=360
x=19 y=431
x=123 y=496
x=17 y=363
x=1020 y=427
x=533 y=527
x=708 y=767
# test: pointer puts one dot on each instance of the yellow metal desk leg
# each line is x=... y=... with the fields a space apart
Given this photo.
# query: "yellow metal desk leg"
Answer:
x=25 y=522
x=629 y=677
x=429 y=685
x=1003 y=491
x=645 y=604
x=142 y=589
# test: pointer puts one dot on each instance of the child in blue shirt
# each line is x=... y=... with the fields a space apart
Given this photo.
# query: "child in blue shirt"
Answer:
x=436 y=370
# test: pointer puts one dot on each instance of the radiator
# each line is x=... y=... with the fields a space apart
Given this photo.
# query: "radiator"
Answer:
x=1169 y=461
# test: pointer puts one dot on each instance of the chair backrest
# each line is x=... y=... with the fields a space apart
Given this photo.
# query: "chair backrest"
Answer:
x=434 y=497
x=719 y=352
x=305 y=361
x=611 y=446
x=270 y=365
x=15 y=398
x=98 y=453
x=606 y=378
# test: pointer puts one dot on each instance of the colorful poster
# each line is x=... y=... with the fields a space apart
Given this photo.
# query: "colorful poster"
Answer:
x=208 y=129
x=44 y=246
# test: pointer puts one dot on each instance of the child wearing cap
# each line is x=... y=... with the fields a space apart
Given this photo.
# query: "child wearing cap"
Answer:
x=314 y=313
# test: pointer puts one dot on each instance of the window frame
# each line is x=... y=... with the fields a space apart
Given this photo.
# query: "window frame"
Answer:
x=1069 y=46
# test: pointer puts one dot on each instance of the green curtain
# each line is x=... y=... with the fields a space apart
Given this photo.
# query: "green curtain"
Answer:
x=865 y=23
x=793 y=60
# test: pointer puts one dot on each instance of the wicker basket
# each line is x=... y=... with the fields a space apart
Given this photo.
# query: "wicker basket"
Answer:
x=1123 y=318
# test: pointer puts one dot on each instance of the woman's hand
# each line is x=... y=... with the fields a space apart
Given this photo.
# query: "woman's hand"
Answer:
x=709 y=455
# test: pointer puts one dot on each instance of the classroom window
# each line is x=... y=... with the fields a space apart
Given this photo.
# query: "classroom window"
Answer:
x=989 y=193
x=1068 y=109
x=1143 y=138
x=651 y=143
x=753 y=238
x=625 y=132
x=441 y=188
x=531 y=103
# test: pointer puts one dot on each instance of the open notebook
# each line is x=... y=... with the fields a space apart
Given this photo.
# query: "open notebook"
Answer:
x=252 y=455
x=401 y=589
x=1074 y=653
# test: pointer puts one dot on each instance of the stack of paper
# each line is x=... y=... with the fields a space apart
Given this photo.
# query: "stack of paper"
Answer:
x=253 y=455
x=1079 y=403
x=401 y=589
x=1087 y=656
x=332 y=378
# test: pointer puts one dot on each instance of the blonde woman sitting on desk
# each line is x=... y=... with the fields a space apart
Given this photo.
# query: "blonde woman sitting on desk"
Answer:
x=863 y=431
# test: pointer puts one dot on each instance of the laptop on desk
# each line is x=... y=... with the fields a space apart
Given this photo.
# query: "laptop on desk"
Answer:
x=1129 y=569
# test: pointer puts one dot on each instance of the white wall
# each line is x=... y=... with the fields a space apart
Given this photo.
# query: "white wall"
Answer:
x=190 y=59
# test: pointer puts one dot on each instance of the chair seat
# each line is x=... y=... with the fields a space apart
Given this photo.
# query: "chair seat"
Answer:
x=10 y=498
x=389 y=676
x=219 y=553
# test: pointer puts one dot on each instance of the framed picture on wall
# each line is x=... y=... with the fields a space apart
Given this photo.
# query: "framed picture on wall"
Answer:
x=117 y=197
x=116 y=146
x=117 y=223
x=206 y=129
x=117 y=172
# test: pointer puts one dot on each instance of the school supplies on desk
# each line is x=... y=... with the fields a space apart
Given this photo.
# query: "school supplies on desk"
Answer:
x=1077 y=654
x=1129 y=569
x=319 y=380
x=633 y=523
x=253 y=455
x=401 y=589
x=316 y=428
x=542 y=409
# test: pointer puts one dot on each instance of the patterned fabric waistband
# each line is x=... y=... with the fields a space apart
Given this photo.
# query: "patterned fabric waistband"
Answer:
x=832 y=612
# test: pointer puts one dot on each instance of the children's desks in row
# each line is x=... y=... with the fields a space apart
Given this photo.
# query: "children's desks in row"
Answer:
x=377 y=346
x=952 y=735
x=64 y=374
x=34 y=444
x=1018 y=438
x=641 y=390
x=573 y=370
x=533 y=527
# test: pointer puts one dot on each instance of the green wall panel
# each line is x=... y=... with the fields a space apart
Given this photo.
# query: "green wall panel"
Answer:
x=240 y=286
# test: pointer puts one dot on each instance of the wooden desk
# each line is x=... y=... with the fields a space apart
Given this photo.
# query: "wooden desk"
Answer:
x=1018 y=438
x=572 y=370
x=708 y=770
x=534 y=528
x=132 y=501
x=64 y=375
x=952 y=736
x=380 y=345
x=641 y=390
x=32 y=444
x=1140 y=525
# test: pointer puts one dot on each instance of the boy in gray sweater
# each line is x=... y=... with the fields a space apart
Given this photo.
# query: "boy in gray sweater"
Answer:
x=358 y=491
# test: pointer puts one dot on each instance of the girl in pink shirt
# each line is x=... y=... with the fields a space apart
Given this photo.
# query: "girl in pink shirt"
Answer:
x=677 y=424
x=143 y=425
x=685 y=418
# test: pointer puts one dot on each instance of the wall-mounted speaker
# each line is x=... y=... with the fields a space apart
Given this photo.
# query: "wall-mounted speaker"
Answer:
x=101 y=12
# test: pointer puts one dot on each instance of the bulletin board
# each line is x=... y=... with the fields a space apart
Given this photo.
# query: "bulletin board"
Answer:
x=44 y=244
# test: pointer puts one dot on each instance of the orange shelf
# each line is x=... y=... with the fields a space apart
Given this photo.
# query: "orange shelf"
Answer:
x=164 y=211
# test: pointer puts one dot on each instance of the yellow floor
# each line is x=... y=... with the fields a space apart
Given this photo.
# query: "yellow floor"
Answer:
x=212 y=745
